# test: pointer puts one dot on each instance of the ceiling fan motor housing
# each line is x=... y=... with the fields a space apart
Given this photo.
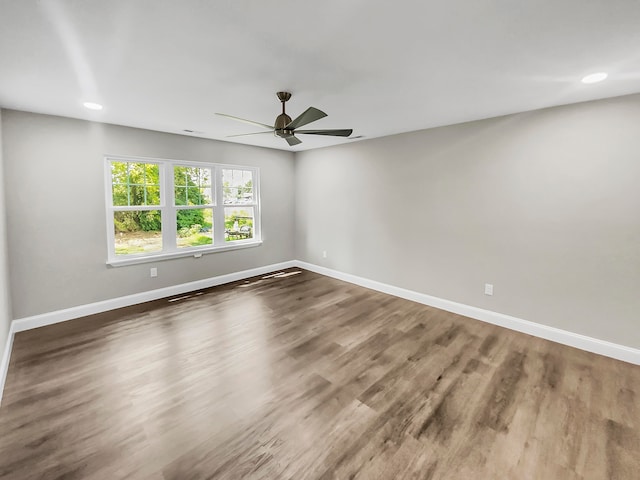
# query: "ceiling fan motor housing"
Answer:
x=282 y=120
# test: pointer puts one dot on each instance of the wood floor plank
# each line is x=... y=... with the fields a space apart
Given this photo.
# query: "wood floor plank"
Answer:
x=301 y=376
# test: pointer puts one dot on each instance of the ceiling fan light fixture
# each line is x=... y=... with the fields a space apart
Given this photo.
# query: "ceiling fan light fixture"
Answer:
x=594 y=77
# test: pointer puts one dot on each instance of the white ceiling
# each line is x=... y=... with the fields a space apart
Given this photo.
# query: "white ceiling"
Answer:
x=378 y=67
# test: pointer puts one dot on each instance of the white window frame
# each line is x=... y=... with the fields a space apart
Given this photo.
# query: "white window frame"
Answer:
x=168 y=211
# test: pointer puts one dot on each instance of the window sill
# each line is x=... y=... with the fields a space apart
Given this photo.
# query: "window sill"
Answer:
x=197 y=253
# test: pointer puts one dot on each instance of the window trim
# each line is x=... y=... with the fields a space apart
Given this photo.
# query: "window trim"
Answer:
x=168 y=211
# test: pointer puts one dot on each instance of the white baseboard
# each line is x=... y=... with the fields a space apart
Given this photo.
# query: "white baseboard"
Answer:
x=6 y=357
x=35 y=321
x=601 y=347
x=609 y=349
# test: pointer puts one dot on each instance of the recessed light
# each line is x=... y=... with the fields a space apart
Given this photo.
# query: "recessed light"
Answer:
x=92 y=106
x=594 y=77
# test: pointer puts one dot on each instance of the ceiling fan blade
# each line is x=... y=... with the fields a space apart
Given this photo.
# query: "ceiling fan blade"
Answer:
x=245 y=134
x=333 y=133
x=311 y=114
x=292 y=141
x=250 y=122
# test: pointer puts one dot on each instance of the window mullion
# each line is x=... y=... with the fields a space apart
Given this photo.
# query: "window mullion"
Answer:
x=257 y=227
x=218 y=209
x=168 y=210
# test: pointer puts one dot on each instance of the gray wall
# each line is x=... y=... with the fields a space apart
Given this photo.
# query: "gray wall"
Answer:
x=544 y=205
x=54 y=171
x=5 y=305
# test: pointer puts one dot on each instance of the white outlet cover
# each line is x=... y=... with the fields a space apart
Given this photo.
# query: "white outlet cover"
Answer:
x=488 y=289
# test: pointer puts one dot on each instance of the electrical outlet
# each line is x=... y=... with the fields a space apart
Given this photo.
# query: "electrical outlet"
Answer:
x=324 y=254
x=488 y=289
x=153 y=272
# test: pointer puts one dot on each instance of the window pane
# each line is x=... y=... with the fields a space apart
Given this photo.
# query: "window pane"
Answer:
x=135 y=183
x=181 y=195
x=194 y=227
x=120 y=195
x=192 y=186
x=237 y=186
x=238 y=223
x=119 y=172
x=152 y=196
x=137 y=231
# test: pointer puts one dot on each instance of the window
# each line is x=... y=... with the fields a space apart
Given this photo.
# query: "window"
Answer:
x=166 y=208
x=239 y=204
x=193 y=200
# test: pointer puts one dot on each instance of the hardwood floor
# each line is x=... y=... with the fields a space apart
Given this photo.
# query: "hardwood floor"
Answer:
x=306 y=377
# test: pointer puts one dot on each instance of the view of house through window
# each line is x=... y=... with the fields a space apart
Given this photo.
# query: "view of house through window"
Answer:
x=159 y=207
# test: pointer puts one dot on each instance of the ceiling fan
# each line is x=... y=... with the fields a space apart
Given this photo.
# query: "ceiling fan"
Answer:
x=286 y=128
